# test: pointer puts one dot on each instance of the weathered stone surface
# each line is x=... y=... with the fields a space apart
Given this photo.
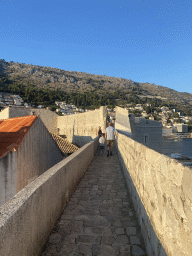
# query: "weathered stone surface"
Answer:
x=85 y=239
x=121 y=240
x=119 y=231
x=67 y=249
x=100 y=224
x=137 y=251
x=84 y=249
x=54 y=238
x=96 y=249
x=107 y=240
x=108 y=250
x=134 y=240
x=117 y=223
x=97 y=230
x=131 y=231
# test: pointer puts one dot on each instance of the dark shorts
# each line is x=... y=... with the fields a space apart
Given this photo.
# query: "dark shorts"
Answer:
x=110 y=142
x=102 y=147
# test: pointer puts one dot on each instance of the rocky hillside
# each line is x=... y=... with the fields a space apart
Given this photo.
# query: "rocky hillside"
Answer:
x=53 y=78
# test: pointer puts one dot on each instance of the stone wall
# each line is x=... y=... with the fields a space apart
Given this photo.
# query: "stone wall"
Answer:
x=37 y=153
x=122 y=122
x=145 y=131
x=8 y=176
x=4 y=114
x=79 y=128
x=162 y=195
x=29 y=217
x=82 y=128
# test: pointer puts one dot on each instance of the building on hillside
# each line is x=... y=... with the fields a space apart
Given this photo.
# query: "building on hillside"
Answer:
x=180 y=128
x=167 y=132
x=151 y=118
x=27 y=150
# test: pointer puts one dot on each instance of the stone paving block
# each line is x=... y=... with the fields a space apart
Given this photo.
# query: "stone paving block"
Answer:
x=85 y=239
x=107 y=240
x=108 y=250
x=96 y=249
x=67 y=249
x=121 y=240
x=117 y=223
x=107 y=231
x=97 y=230
x=119 y=231
x=54 y=238
x=84 y=249
x=131 y=231
x=135 y=240
x=70 y=239
x=137 y=251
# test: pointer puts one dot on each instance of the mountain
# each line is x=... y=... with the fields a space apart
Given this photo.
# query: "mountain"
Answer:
x=53 y=78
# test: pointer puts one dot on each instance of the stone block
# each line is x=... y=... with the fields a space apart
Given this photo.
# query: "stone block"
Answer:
x=84 y=249
x=135 y=240
x=96 y=249
x=119 y=231
x=131 y=231
x=137 y=251
x=108 y=250
x=85 y=239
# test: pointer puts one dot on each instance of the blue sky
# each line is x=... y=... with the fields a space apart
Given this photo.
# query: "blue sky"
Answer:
x=142 y=40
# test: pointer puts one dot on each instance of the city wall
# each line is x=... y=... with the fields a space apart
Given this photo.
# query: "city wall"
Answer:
x=82 y=128
x=142 y=130
x=162 y=196
x=28 y=218
x=78 y=128
x=122 y=121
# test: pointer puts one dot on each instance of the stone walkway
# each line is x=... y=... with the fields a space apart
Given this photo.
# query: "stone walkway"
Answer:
x=99 y=219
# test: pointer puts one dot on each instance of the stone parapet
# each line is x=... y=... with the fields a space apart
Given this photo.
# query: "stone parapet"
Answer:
x=162 y=195
x=27 y=219
x=82 y=128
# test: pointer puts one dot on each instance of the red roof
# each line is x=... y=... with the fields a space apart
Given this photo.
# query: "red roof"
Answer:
x=12 y=132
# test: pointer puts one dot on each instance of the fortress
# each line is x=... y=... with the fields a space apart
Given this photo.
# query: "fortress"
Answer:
x=160 y=186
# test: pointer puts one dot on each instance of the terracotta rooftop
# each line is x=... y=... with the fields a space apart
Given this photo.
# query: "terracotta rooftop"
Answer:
x=12 y=132
x=64 y=146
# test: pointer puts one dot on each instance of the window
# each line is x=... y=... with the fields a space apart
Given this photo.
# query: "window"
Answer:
x=146 y=139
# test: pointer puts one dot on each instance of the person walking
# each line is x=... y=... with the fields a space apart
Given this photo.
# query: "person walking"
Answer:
x=99 y=132
x=110 y=137
x=102 y=144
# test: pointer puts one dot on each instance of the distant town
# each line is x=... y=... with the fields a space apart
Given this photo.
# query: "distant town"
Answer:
x=174 y=123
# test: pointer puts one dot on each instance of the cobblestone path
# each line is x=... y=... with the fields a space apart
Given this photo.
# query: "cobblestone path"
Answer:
x=99 y=219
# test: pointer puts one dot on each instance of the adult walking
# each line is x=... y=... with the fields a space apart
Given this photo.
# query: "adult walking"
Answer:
x=110 y=137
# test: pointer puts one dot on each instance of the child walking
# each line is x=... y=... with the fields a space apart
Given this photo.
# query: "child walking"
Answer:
x=102 y=143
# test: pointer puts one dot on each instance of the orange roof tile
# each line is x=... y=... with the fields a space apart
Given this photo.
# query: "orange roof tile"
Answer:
x=12 y=131
x=64 y=146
